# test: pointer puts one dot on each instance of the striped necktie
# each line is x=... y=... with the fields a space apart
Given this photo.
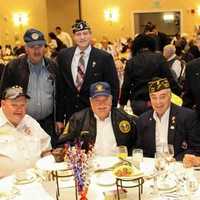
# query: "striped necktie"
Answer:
x=80 y=72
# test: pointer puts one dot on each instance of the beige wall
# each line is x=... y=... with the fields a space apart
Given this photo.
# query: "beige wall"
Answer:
x=37 y=18
x=62 y=13
x=93 y=12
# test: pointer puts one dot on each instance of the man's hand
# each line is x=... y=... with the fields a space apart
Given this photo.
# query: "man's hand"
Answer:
x=59 y=127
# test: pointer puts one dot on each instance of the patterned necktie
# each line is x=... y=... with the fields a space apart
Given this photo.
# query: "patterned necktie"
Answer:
x=80 y=72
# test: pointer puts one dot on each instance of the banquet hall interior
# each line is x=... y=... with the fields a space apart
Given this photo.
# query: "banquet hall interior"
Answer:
x=114 y=26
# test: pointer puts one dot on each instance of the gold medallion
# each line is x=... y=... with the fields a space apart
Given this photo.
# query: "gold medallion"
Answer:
x=124 y=126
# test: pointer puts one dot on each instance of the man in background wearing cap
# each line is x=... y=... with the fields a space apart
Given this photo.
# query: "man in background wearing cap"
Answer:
x=106 y=126
x=167 y=125
x=38 y=76
x=22 y=140
x=81 y=66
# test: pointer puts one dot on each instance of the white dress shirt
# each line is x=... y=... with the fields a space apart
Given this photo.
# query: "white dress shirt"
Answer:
x=161 y=131
x=75 y=60
x=24 y=143
x=105 y=144
x=65 y=38
x=176 y=66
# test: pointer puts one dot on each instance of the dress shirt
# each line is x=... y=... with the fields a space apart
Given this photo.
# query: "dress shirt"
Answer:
x=24 y=143
x=105 y=144
x=40 y=89
x=75 y=61
x=65 y=38
x=161 y=133
x=176 y=66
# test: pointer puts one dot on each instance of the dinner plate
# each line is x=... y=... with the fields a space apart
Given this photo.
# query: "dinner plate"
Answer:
x=166 y=185
x=25 y=177
x=48 y=163
x=105 y=178
x=103 y=163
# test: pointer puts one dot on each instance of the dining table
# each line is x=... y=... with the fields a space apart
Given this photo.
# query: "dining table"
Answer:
x=103 y=182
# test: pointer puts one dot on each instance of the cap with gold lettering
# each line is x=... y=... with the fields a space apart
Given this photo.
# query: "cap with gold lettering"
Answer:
x=100 y=89
x=158 y=84
x=80 y=25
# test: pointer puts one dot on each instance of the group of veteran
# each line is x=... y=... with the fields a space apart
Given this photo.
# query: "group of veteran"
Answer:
x=165 y=124
x=22 y=140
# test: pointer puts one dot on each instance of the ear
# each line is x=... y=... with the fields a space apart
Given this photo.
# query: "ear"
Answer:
x=2 y=102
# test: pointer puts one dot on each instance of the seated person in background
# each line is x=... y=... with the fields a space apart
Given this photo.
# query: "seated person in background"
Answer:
x=105 y=126
x=21 y=137
x=167 y=124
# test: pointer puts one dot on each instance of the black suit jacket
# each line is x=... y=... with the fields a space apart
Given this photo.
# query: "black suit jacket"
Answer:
x=100 y=67
x=191 y=97
x=182 y=132
x=84 y=122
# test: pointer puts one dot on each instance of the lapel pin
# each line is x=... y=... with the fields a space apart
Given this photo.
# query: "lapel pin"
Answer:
x=93 y=64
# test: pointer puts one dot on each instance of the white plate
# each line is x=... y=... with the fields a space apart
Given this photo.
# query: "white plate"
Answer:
x=166 y=185
x=48 y=163
x=105 y=178
x=101 y=163
x=25 y=177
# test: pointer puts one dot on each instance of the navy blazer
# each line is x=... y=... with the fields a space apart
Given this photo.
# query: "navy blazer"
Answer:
x=100 y=67
x=183 y=131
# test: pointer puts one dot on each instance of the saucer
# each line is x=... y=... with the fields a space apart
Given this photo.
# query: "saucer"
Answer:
x=25 y=177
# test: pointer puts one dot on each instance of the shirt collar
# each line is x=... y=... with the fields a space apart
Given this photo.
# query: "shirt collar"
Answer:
x=165 y=115
x=86 y=51
x=106 y=119
x=33 y=65
x=171 y=57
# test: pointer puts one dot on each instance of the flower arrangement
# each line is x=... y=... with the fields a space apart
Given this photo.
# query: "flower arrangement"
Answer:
x=79 y=161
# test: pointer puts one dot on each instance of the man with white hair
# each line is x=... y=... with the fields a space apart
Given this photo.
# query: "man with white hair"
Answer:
x=176 y=65
x=167 y=125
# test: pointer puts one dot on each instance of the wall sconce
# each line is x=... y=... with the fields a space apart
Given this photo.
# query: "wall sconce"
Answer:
x=198 y=10
x=111 y=14
x=20 y=18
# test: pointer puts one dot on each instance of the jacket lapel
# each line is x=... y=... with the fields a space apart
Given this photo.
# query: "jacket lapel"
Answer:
x=151 y=138
x=67 y=72
x=172 y=125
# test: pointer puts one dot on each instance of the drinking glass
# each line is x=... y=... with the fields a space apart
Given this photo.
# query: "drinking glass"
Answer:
x=137 y=157
x=122 y=152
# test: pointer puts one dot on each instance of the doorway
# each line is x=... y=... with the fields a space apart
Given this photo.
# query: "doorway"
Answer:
x=168 y=22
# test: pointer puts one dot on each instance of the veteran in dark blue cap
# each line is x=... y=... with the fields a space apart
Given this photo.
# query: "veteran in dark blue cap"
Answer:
x=105 y=126
x=82 y=66
x=37 y=74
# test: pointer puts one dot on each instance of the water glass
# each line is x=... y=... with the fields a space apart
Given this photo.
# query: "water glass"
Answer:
x=137 y=157
x=122 y=152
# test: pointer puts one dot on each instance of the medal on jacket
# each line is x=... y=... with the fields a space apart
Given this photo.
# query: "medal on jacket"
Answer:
x=124 y=126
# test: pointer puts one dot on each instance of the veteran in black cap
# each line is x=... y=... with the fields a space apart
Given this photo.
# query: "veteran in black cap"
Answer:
x=107 y=127
x=167 y=127
x=38 y=75
x=81 y=66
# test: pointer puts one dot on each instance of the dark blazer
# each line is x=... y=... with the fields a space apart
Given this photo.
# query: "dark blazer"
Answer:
x=100 y=67
x=141 y=69
x=191 y=97
x=85 y=122
x=182 y=132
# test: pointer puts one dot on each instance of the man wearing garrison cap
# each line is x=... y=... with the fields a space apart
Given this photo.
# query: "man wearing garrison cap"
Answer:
x=167 y=127
x=81 y=66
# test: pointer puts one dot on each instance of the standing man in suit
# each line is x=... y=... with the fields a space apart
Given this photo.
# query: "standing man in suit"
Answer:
x=191 y=97
x=167 y=124
x=107 y=127
x=81 y=66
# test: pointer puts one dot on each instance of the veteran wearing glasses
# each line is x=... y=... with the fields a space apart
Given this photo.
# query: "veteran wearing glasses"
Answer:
x=167 y=124
x=107 y=127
